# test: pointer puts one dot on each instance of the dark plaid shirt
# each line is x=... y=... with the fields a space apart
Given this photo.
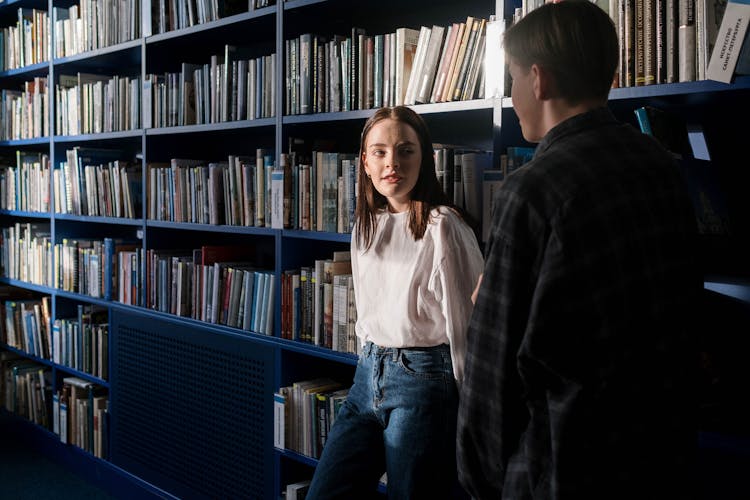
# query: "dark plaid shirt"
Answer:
x=578 y=367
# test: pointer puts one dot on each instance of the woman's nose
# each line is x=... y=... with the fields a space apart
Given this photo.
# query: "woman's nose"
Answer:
x=393 y=160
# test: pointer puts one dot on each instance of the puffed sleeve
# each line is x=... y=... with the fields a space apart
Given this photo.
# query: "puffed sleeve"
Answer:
x=458 y=266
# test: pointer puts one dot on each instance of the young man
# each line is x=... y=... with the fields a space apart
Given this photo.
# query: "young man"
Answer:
x=578 y=373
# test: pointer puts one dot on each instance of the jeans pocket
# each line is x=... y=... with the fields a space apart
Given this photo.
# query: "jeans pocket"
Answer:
x=427 y=364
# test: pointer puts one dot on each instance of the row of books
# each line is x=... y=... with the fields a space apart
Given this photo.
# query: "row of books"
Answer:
x=25 y=186
x=216 y=284
x=362 y=71
x=26 y=252
x=232 y=192
x=88 y=103
x=80 y=415
x=304 y=413
x=318 y=196
x=661 y=41
x=94 y=267
x=665 y=41
x=23 y=113
x=459 y=170
x=170 y=15
x=322 y=192
x=26 y=325
x=77 y=412
x=97 y=182
x=492 y=180
x=317 y=304
x=98 y=268
x=93 y=25
x=225 y=89
x=27 y=42
x=211 y=284
x=26 y=388
x=81 y=342
x=315 y=195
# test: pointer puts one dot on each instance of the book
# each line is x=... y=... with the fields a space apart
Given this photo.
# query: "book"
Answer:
x=63 y=421
x=186 y=99
x=406 y=48
x=649 y=41
x=80 y=410
x=277 y=198
x=469 y=34
x=298 y=490
x=269 y=297
x=492 y=180
x=423 y=41
x=494 y=71
x=279 y=417
x=444 y=61
x=473 y=163
x=472 y=61
x=379 y=59
x=730 y=40
x=686 y=41
x=670 y=40
x=426 y=79
x=355 y=69
x=216 y=190
x=287 y=190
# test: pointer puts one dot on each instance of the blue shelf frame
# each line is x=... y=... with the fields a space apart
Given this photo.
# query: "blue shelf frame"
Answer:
x=135 y=51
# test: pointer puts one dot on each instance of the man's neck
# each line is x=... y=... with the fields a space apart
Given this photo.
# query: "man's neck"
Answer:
x=556 y=111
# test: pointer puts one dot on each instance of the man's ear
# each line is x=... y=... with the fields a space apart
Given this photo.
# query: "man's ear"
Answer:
x=542 y=81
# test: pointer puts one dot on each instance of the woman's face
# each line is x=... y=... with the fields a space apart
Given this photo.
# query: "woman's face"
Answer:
x=392 y=159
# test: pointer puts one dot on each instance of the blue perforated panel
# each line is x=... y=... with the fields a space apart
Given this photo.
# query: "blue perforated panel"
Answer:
x=191 y=410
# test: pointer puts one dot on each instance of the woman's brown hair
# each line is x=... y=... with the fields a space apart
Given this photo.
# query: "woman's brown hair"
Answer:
x=427 y=193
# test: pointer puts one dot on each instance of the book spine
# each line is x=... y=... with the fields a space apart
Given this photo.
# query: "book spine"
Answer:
x=686 y=41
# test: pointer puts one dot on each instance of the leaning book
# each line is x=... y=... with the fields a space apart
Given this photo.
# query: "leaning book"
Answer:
x=729 y=41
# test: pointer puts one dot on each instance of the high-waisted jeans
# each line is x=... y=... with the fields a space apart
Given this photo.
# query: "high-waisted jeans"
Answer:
x=399 y=418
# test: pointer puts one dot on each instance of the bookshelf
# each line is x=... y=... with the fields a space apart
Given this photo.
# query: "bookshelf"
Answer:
x=190 y=401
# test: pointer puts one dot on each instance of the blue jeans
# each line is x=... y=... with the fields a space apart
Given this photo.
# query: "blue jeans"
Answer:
x=399 y=418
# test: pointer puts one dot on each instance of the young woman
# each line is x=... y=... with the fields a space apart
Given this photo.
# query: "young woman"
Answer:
x=415 y=262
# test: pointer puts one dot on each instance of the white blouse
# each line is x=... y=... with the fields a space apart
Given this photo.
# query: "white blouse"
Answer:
x=417 y=293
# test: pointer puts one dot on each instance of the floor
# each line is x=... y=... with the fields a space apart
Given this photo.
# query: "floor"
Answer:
x=26 y=473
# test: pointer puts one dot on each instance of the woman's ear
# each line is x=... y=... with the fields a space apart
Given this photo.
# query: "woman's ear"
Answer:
x=363 y=162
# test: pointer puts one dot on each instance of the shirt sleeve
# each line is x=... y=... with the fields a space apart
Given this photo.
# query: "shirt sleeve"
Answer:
x=492 y=414
x=456 y=275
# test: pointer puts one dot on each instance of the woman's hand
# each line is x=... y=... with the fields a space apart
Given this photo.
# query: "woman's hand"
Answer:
x=476 y=290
